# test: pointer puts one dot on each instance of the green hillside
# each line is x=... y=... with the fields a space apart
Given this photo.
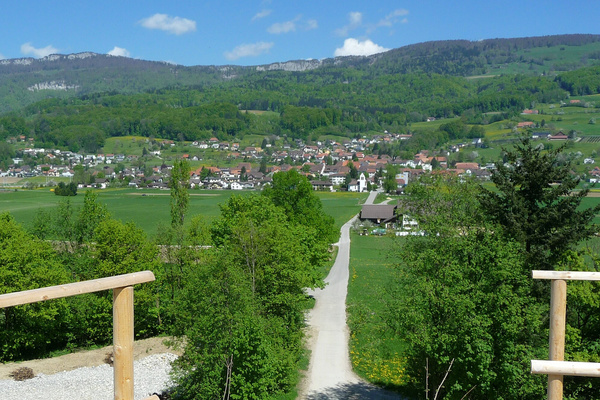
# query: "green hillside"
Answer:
x=25 y=81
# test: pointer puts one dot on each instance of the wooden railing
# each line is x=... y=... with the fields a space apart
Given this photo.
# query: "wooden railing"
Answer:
x=556 y=367
x=122 y=286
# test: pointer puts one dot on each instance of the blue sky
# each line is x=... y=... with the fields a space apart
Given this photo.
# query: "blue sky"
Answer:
x=198 y=32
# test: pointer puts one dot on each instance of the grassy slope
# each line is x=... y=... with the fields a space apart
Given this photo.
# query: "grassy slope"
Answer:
x=342 y=205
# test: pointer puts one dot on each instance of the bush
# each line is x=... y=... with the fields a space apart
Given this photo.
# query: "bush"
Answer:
x=66 y=189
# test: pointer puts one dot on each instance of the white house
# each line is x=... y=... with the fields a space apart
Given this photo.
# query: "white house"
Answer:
x=236 y=186
x=362 y=183
x=358 y=185
x=337 y=179
x=403 y=176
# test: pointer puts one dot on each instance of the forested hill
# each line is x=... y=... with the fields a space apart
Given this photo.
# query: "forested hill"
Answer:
x=27 y=80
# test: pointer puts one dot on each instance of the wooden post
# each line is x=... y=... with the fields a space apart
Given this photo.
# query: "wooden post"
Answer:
x=558 y=312
x=123 y=342
x=122 y=286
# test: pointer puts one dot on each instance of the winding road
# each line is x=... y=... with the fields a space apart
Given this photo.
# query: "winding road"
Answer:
x=330 y=374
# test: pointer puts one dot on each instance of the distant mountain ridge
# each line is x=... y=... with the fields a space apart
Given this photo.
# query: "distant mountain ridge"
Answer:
x=26 y=80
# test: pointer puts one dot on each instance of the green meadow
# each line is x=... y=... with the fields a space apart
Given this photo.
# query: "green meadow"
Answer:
x=375 y=352
x=149 y=209
x=342 y=205
x=146 y=208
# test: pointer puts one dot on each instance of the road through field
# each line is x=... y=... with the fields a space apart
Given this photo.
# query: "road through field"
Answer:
x=330 y=374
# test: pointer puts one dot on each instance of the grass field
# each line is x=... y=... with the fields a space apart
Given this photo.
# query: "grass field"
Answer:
x=150 y=208
x=342 y=205
x=146 y=208
x=375 y=352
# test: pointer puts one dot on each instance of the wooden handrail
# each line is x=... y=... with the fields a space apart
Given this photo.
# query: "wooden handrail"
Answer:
x=566 y=275
x=572 y=368
x=73 y=289
x=122 y=286
x=556 y=367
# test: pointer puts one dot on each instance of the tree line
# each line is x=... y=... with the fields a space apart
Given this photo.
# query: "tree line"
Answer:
x=99 y=73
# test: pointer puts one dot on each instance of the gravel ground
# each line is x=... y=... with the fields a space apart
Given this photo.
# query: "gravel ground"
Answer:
x=151 y=375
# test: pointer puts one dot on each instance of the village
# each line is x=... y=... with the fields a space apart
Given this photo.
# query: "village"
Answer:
x=351 y=165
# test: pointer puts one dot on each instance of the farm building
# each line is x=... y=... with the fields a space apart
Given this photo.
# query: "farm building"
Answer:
x=379 y=213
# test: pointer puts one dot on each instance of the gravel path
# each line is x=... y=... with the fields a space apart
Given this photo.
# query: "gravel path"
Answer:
x=330 y=374
x=151 y=375
x=330 y=360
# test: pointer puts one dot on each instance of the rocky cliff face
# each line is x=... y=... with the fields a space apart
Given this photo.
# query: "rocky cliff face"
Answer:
x=50 y=58
x=102 y=59
x=52 y=85
x=69 y=62
x=293 y=66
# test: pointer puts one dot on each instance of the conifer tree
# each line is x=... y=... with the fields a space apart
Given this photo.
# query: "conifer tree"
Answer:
x=536 y=203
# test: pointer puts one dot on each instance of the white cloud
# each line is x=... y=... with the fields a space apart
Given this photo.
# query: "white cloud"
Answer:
x=291 y=26
x=282 y=27
x=164 y=22
x=355 y=20
x=311 y=24
x=353 y=47
x=248 y=50
x=28 y=49
x=2 y=56
x=393 y=18
x=119 y=51
x=262 y=14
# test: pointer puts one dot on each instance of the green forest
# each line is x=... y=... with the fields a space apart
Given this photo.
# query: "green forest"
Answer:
x=303 y=110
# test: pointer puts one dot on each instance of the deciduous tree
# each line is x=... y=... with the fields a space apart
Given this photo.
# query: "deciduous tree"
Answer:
x=463 y=293
x=29 y=263
x=66 y=189
x=180 y=198
x=294 y=193
x=241 y=308
x=91 y=214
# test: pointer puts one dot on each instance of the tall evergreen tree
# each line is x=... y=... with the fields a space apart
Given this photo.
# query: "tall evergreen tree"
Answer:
x=536 y=203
